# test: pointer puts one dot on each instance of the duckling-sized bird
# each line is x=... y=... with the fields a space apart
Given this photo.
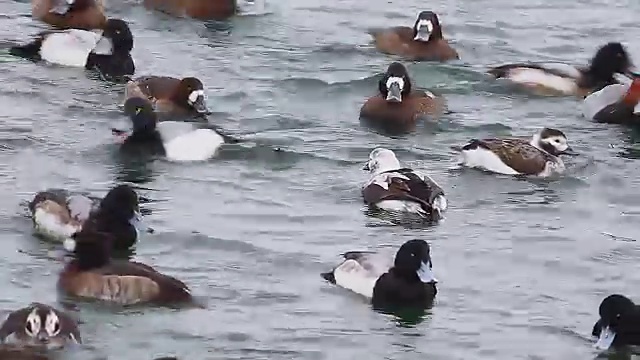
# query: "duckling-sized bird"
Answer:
x=619 y=323
x=409 y=281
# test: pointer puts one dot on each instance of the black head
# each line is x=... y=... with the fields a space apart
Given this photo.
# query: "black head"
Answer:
x=613 y=309
x=395 y=84
x=91 y=248
x=143 y=118
x=618 y=315
x=413 y=262
x=554 y=142
x=610 y=59
x=190 y=95
x=121 y=37
x=427 y=27
x=121 y=202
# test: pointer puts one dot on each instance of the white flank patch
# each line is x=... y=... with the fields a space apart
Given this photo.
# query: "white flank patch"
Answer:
x=352 y=276
x=402 y=206
x=485 y=159
x=50 y=226
x=183 y=142
x=537 y=77
x=595 y=102
x=69 y=48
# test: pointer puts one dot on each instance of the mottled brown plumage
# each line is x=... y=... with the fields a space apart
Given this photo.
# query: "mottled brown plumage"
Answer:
x=166 y=94
x=198 y=9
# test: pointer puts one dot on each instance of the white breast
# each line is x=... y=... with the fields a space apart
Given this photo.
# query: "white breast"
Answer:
x=537 y=77
x=184 y=142
x=485 y=159
x=70 y=47
x=50 y=226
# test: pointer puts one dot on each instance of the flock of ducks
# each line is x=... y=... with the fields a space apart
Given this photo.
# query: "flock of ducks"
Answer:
x=97 y=232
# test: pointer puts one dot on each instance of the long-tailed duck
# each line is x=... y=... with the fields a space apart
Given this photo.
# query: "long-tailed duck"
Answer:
x=394 y=188
x=518 y=156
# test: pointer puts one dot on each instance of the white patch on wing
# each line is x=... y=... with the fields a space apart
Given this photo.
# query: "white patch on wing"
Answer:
x=184 y=142
x=400 y=205
x=595 y=102
x=353 y=276
x=69 y=47
x=80 y=207
x=50 y=226
x=537 y=77
x=485 y=159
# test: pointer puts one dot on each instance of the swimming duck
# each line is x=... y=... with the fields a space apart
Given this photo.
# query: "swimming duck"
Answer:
x=619 y=323
x=422 y=42
x=615 y=104
x=394 y=188
x=58 y=214
x=70 y=14
x=40 y=325
x=562 y=79
x=409 y=282
x=397 y=106
x=513 y=156
x=177 y=140
x=108 y=51
x=198 y=9
x=92 y=274
x=21 y=353
x=170 y=95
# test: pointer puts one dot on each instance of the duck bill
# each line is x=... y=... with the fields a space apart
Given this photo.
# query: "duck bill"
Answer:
x=569 y=152
x=425 y=273
x=366 y=167
x=394 y=93
x=423 y=34
x=138 y=222
x=607 y=336
x=200 y=106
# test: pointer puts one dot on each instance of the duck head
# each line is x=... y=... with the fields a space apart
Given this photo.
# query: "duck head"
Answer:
x=40 y=325
x=381 y=160
x=143 y=122
x=610 y=59
x=427 y=27
x=190 y=95
x=395 y=84
x=413 y=261
x=552 y=141
x=614 y=311
x=120 y=34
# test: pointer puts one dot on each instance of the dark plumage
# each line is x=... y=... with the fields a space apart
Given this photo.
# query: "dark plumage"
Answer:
x=619 y=323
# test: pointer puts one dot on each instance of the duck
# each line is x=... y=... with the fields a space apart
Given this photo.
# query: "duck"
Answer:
x=40 y=325
x=58 y=214
x=615 y=103
x=409 y=281
x=93 y=275
x=560 y=79
x=169 y=95
x=108 y=52
x=70 y=14
x=619 y=323
x=197 y=9
x=423 y=42
x=398 y=106
x=517 y=156
x=175 y=140
x=394 y=188
x=21 y=353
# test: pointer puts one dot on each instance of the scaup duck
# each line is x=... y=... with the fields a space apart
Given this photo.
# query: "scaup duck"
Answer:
x=58 y=214
x=422 y=42
x=397 y=106
x=108 y=51
x=563 y=79
x=615 y=104
x=394 y=188
x=517 y=156
x=177 y=140
x=409 y=282
x=92 y=274
x=70 y=14
x=197 y=9
x=170 y=95
x=40 y=325
x=619 y=323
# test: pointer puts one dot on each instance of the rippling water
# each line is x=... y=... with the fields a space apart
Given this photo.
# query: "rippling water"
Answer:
x=522 y=264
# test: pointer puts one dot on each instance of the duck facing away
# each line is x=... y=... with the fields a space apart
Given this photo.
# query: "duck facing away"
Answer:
x=398 y=189
x=422 y=42
x=563 y=79
x=92 y=274
x=397 y=106
x=619 y=323
x=40 y=325
x=70 y=14
x=517 y=156
x=409 y=281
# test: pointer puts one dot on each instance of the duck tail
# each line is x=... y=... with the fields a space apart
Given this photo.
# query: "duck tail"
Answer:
x=329 y=277
x=30 y=51
x=457 y=148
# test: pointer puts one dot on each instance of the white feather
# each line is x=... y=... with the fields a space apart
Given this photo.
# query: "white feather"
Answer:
x=537 y=77
x=440 y=203
x=567 y=69
x=80 y=207
x=595 y=102
x=400 y=205
x=50 y=226
x=360 y=277
x=70 y=47
x=485 y=159
x=184 y=142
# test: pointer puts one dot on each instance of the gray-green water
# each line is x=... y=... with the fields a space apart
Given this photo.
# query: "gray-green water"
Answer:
x=522 y=264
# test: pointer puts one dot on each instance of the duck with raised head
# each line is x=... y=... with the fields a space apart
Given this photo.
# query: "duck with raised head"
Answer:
x=398 y=106
x=93 y=274
x=70 y=14
x=563 y=79
x=397 y=189
x=619 y=323
x=170 y=96
x=422 y=42
x=107 y=51
x=409 y=281
x=40 y=325
x=58 y=214
x=539 y=156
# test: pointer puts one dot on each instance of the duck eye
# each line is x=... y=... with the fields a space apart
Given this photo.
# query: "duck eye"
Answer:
x=138 y=110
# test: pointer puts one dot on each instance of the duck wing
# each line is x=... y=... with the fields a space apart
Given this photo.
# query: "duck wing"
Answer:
x=403 y=185
x=359 y=272
x=157 y=87
x=516 y=153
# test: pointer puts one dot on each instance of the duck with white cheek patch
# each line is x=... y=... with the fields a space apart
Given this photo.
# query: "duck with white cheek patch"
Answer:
x=408 y=282
x=619 y=323
x=397 y=189
x=40 y=325
x=517 y=156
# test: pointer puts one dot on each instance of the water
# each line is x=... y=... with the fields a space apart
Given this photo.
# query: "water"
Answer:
x=522 y=264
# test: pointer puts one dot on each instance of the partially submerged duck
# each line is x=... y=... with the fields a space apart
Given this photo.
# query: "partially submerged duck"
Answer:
x=619 y=323
x=170 y=96
x=70 y=14
x=199 y=9
x=40 y=325
x=615 y=104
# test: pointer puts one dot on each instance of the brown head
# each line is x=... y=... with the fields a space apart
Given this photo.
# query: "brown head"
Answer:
x=189 y=94
x=40 y=325
x=395 y=84
x=427 y=27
